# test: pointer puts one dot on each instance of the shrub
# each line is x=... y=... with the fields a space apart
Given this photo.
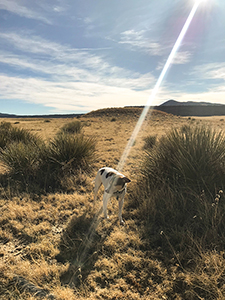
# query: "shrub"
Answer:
x=22 y=159
x=178 y=191
x=10 y=134
x=45 y=166
x=70 y=152
x=191 y=157
x=72 y=127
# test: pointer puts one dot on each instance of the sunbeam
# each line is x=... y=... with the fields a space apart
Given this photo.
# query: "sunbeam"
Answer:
x=157 y=86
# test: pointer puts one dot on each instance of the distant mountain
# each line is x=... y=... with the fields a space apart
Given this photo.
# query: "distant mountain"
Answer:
x=188 y=103
x=40 y=116
x=192 y=108
x=7 y=116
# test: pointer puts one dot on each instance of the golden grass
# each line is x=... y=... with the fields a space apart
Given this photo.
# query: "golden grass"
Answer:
x=45 y=240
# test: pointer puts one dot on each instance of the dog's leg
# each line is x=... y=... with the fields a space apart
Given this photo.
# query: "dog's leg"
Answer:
x=121 y=201
x=106 y=197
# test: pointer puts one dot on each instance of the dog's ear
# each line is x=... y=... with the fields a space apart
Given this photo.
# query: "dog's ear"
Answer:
x=126 y=180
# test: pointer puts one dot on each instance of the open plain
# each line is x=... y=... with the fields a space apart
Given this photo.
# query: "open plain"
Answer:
x=55 y=245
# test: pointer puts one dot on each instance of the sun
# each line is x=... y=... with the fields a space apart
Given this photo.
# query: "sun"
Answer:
x=206 y=5
x=202 y=2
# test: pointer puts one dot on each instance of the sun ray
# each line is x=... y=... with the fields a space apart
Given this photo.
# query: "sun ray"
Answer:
x=157 y=85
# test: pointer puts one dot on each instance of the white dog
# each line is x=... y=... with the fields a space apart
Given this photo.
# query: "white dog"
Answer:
x=114 y=184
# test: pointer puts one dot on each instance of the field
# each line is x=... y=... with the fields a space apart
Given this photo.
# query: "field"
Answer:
x=54 y=244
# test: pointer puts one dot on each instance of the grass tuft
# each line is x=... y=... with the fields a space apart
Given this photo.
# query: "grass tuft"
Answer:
x=36 y=164
x=22 y=159
x=71 y=152
x=178 y=192
x=72 y=127
x=190 y=158
x=10 y=134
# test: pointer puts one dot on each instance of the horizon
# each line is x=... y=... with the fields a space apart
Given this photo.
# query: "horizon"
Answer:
x=104 y=108
x=70 y=57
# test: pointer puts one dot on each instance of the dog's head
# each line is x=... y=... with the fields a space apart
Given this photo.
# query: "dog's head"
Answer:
x=117 y=181
x=121 y=181
x=118 y=184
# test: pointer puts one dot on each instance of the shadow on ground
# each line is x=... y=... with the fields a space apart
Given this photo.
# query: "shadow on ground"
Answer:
x=81 y=245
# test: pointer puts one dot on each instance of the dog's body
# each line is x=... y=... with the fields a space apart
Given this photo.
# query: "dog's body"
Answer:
x=114 y=184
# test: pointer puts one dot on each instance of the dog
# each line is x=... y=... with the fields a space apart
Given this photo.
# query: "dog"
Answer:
x=115 y=184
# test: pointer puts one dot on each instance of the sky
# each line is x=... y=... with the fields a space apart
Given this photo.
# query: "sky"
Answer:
x=75 y=56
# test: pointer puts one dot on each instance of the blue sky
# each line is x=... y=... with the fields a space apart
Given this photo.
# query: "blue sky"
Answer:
x=75 y=56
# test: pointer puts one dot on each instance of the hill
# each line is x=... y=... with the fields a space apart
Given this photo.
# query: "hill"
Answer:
x=128 y=111
x=192 y=108
x=188 y=103
x=2 y=115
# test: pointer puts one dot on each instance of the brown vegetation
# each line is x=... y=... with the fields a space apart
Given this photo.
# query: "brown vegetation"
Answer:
x=56 y=245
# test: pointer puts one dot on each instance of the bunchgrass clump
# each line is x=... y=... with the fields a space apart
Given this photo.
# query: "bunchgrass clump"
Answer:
x=22 y=159
x=191 y=157
x=67 y=152
x=180 y=190
x=10 y=134
x=72 y=127
x=45 y=165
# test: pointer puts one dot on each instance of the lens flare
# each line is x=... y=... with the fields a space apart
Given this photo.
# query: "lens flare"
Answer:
x=157 y=86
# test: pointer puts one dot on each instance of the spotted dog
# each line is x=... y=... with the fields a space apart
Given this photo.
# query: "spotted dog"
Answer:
x=114 y=184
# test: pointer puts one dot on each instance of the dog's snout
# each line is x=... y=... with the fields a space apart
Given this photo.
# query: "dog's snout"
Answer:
x=127 y=180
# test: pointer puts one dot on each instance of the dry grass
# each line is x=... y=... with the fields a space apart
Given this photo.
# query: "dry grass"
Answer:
x=53 y=245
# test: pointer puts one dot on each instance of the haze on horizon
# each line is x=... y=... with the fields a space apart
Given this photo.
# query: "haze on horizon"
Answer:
x=64 y=56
